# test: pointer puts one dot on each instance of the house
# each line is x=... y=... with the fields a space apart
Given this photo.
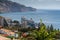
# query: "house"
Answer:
x=8 y=32
x=25 y=34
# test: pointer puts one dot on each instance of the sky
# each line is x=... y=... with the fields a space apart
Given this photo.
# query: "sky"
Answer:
x=41 y=4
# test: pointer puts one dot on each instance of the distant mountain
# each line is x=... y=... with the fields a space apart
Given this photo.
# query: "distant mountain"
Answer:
x=9 y=6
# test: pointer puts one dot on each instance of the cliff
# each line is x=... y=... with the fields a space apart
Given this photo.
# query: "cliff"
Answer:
x=9 y=6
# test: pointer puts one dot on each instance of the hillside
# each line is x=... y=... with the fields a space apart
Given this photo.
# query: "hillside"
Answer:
x=9 y=6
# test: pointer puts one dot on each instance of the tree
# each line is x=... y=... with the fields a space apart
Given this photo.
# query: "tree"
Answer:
x=58 y=30
x=42 y=33
x=17 y=23
x=48 y=28
x=51 y=28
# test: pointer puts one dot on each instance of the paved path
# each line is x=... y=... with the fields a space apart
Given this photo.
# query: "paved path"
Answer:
x=4 y=38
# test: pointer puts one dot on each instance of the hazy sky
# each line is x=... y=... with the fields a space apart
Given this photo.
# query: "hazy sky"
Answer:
x=40 y=4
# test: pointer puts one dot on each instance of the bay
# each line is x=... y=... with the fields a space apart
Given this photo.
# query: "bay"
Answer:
x=48 y=16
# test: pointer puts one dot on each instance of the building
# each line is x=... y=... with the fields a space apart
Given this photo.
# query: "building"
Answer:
x=25 y=23
x=31 y=23
x=9 y=21
x=3 y=21
x=6 y=33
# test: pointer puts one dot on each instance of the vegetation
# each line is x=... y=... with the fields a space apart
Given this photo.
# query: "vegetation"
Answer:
x=42 y=33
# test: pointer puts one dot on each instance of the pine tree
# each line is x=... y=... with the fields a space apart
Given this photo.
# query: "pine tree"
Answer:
x=51 y=28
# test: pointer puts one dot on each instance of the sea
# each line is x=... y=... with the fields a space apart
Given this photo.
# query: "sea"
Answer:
x=48 y=16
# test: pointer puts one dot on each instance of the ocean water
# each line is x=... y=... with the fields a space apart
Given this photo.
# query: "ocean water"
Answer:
x=48 y=16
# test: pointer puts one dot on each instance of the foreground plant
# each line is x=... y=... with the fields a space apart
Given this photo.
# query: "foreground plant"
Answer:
x=43 y=34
